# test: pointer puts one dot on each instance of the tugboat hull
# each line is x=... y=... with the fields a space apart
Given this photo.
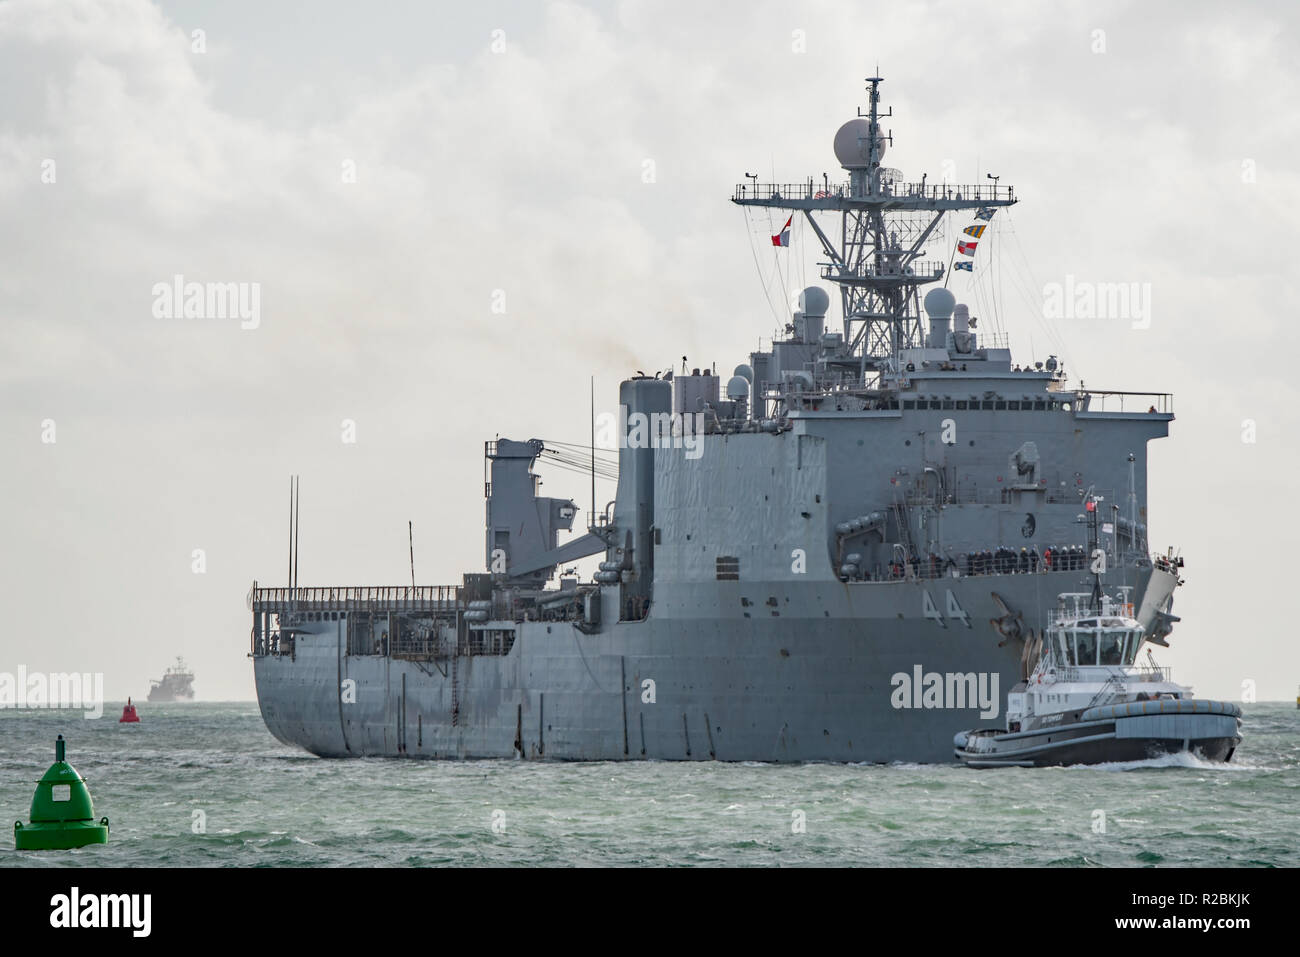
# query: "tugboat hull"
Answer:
x=1121 y=732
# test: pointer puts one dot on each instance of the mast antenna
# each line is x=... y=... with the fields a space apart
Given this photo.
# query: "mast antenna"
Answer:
x=1090 y=509
x=1132 y=505
x=290 y=575
x=879 y=258
x=297 y=525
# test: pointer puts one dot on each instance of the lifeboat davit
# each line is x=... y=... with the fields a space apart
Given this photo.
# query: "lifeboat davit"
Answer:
x=128 y=714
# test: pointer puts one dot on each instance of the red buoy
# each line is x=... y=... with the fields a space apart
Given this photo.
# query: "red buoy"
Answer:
x=128 y=713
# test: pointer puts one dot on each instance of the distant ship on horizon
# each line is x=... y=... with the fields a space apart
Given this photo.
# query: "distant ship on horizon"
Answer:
x=177 y=684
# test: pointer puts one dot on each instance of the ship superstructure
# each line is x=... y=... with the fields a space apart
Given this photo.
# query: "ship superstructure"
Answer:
x=852 y=509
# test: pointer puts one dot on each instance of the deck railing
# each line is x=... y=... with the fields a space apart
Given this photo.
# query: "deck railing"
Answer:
x=1104 y=400
x=1143 y=673
x=357 y=598
x=814 y=190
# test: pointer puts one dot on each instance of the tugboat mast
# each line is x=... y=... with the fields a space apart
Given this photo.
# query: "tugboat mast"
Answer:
x=1096 y=561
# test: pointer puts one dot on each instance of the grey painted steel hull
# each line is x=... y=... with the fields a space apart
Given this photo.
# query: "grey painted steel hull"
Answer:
x=806 y=679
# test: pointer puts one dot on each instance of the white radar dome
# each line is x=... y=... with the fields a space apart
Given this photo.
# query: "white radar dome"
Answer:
x=939 y=303
x=738 y=387
x=744 y=371
x=852 y=148
x=814 y=301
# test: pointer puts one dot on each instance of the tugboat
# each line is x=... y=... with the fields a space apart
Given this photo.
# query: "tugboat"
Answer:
x=177 y=683
x=1087 y=700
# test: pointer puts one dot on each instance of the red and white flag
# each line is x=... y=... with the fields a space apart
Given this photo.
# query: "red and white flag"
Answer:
x=783 y=237
x=965 y=248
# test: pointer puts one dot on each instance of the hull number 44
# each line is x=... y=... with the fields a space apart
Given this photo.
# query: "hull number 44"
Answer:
x=952 y=607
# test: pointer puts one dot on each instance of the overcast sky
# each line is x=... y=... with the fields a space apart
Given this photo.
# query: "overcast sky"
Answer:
x=573 y=162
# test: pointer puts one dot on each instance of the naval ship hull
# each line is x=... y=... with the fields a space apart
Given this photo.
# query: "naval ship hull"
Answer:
x=812 y=679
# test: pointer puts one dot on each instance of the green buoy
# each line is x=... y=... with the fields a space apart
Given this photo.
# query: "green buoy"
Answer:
x=63 y=816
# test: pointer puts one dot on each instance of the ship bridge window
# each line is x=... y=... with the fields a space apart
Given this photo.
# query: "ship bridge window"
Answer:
x=909 y=405
x=1086 y=647
x=961 y=404
x=1131 y=647
x=1013 y=406
x=999 y=406
x=947 y=404
x=936 y=404
x=1112 y=647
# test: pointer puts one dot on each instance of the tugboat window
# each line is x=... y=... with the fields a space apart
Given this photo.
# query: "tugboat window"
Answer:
x=1087 y=645
x=1112 y=648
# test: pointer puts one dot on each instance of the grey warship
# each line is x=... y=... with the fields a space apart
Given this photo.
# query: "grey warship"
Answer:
x=857 y=510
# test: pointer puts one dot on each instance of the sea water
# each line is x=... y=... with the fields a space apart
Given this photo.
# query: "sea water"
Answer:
x=206 y=784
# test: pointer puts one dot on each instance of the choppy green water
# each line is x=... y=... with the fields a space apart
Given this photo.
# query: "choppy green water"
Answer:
x=262 y=803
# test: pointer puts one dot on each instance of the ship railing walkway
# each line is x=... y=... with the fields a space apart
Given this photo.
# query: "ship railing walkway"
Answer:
x=990 y=494
x=813 y=190
x=1106 y=400
x=1139 y=673
x=955 y=565
x=863 y=275
x=360 y=598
